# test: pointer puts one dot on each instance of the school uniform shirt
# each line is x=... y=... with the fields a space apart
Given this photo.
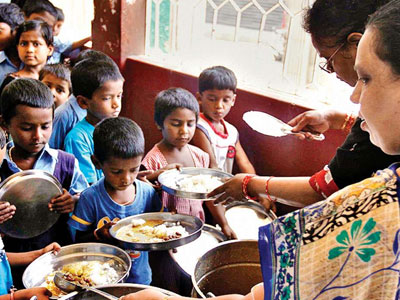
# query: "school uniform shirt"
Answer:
x=60 y=46
x=222 y=143
x=5 y=271
x=66 y=169
x=6 y=66
x=79 y=142
x=155 y=160
x=96 y=208
x=66 y=116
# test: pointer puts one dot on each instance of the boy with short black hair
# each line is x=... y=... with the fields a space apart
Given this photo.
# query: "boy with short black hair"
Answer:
x=11 y=17
x=97 y=86
x=58 y=78
x=118 y=151
x=216 y=96
x=27 y=113
x=70 y=113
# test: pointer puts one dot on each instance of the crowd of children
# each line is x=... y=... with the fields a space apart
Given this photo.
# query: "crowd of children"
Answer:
x=66 y=122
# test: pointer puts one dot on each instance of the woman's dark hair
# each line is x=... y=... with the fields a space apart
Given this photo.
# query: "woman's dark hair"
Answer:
x=11 y=14
x=218 y=77
x=36 y=25
x=169 y=100
x=338 y=18
x=58 y=70
x=89 y=75
x=24 y=91
x=118 y=137
x=386 y=25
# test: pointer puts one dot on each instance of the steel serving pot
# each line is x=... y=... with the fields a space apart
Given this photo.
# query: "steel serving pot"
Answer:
x=35 y=274
x=117 y=290
x=232 y=267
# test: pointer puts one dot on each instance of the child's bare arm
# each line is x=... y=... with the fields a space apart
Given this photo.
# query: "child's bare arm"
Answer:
x=25 y=258
x=99 y=234
x=218 y=213
x=80 y=43
x=243 y=161
x=200 y=140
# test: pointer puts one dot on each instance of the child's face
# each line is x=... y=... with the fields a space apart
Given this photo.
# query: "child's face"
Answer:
x=59 y=88
x=6 y=36
x=31 y=127
x=120 y=173
x=57 y=28
x=216 y=104
x=179 y=127
x=105 y=102
x=32 y=48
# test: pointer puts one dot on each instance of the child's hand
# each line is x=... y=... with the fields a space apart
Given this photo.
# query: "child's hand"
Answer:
x=40 y=292
x=54 y=247
x=103 y=233
x=6 y=211
x=228 y=231
x=264 y=201
x=172 y=166
x=63 y=203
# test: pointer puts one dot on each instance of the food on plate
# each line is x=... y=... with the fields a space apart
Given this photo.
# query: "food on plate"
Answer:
x=200 y=183
x=89 y=273
x=150 y=231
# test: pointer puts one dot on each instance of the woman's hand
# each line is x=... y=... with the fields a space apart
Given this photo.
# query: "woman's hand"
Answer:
x=310 y=121
x=7 y=211
x=40 y=292
x=230 y=190
x=63 y=203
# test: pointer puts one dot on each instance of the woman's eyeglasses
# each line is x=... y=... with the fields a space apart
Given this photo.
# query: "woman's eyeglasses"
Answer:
x=327 y=65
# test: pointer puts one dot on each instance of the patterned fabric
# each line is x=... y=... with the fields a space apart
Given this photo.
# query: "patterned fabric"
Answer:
x=155 y=160
x=223 y=143
x=345 y=247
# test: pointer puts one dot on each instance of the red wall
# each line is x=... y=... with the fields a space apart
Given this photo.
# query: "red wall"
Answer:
x=285 y=156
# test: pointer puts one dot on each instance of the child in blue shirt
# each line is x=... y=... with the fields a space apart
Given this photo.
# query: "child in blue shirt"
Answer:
x=27 y=107
x=118 y=151
x=97 y=86
x=68 y=114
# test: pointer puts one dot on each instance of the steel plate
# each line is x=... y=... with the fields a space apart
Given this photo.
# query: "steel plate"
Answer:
x=245 y=218
x=193 y=226
x=37 y=271
x=118 y=290
x=188 y=255
x=30 y=191
x=168 y=178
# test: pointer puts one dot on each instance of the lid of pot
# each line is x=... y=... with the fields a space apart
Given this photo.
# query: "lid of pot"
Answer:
x=30 y=191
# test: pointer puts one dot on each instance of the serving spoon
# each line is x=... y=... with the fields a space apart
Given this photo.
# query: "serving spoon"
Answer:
x=68 y=286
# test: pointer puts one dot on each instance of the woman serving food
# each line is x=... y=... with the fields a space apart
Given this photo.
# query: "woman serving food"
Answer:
x=345 y=247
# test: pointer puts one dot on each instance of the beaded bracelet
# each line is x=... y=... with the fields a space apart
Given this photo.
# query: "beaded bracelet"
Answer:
x=267 y=190
x=245 y=182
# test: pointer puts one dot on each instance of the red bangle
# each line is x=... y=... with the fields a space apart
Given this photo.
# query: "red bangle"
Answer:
x=348 y=122
x=95 y=234
x=267 y=190
x=245 y=182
